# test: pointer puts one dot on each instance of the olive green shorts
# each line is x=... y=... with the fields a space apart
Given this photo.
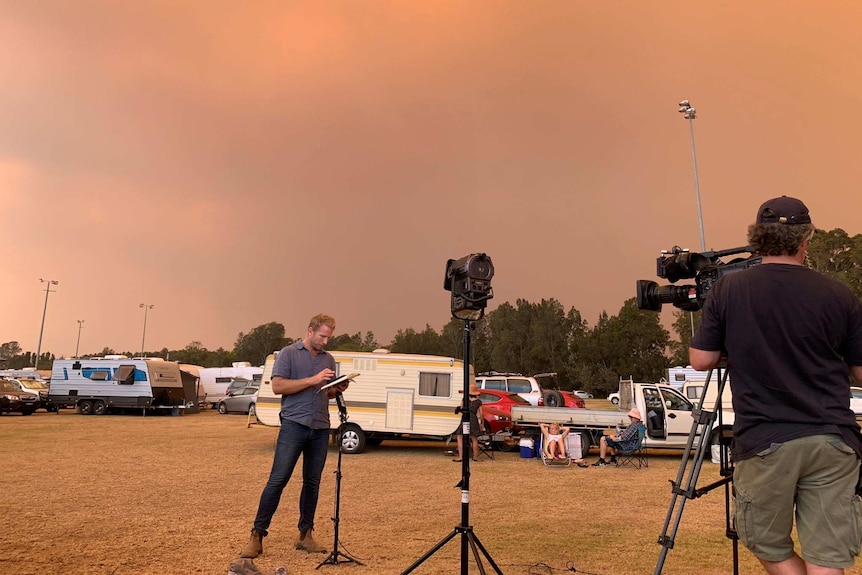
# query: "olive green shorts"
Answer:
x=818 y=474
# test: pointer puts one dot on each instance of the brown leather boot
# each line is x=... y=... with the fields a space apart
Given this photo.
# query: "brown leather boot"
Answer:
x=254 y=547
x=305 y=542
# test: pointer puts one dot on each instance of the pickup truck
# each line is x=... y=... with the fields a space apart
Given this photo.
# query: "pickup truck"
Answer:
x=668 y=417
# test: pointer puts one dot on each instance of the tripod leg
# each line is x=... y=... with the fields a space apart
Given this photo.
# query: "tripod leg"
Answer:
x=474 y=542
x=431 y=552
x=702 y=424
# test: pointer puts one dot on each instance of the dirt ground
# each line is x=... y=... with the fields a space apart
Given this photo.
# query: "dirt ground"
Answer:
x=124 y=494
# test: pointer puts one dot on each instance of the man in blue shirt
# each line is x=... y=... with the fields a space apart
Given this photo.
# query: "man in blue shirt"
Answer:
x=299 y=372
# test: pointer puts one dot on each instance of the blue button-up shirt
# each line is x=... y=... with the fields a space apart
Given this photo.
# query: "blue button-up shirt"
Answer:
x=309 y=407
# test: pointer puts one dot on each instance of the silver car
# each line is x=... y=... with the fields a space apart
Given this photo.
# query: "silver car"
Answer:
x=240 y=400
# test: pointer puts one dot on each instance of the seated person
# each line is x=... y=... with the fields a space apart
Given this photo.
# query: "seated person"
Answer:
x=477 y=423
x=555 y=442
x=626 y=441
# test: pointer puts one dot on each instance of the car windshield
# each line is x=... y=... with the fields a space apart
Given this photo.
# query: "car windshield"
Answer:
x=8 y=386
x=515 y=398
x=33 y=384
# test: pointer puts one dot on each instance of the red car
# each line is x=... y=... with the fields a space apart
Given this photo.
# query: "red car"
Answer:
x=497 y=408
x=572 y=400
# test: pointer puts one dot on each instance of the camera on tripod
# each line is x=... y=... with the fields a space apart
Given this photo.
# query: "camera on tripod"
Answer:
x=705 y=268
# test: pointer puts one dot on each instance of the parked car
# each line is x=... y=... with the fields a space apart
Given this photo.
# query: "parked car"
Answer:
x=12 y=399
x=239 y=383
x=38 y=388
x=582 y=394
x=497 y=408
x=527 y=387
x=614 y=398
x=571 y=400
x=856 y=400
x=240 y=400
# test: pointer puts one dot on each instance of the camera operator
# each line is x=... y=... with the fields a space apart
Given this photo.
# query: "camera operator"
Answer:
x=790 y=335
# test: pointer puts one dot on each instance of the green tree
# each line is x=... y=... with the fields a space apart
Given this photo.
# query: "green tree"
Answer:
x=410 y=341
x=9 y=350
x=260 y=342
x=632 y=343
x=194 y=353
x=355 y=342
x=682 y=328
x=837 y=255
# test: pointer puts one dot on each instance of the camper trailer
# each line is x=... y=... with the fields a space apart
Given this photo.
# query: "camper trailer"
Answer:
x=95 y=386
x=395 y=396
x=217 y=380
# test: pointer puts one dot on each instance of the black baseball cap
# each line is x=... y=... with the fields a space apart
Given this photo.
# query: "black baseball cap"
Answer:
x=783 y=210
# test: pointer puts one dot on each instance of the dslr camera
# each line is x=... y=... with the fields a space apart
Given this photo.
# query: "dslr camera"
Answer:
x=705 y=268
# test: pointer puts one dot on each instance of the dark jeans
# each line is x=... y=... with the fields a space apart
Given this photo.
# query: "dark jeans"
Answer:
x=294 y=439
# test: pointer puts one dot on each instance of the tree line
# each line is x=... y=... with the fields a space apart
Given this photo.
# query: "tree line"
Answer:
x=524 y=337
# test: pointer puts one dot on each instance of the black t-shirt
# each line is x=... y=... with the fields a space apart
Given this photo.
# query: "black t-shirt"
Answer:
x=789 y=334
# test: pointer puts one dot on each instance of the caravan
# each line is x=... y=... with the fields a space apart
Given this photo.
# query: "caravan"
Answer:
x=395 y=396
x=217 y=382
x=93 y=386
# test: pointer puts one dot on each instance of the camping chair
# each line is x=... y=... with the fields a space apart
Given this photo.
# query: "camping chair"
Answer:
x=486 y=447
x=636 y=457
x=565 y=462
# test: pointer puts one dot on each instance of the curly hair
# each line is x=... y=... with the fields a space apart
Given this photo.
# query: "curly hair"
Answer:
x=778 y=239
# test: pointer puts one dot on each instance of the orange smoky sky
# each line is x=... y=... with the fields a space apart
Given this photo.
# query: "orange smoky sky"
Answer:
x=236 y=163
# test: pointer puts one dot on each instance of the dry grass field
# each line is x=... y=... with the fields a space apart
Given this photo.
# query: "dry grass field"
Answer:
x=124 y=494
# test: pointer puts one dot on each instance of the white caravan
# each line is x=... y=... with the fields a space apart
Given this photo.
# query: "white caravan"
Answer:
x=93 y=386
x=215 y=380
x=396 y=395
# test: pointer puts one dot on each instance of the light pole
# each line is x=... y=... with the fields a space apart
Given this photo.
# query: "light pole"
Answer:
x=77 y=343
x=690 y=113
x=44 y=311
x=144 y=336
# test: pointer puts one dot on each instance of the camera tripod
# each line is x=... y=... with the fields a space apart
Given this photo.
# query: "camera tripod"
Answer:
x=465 y=530
x=337 y=556
x=689 y=471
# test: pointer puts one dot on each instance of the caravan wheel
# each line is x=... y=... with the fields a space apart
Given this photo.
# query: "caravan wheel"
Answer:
x=352 y=439
x=85 y=407
x=99 y=408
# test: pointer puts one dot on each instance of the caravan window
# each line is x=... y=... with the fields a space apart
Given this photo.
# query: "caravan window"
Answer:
x=97 y=373
x=435 y=384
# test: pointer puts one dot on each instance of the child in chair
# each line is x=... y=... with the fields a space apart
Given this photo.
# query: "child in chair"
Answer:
x=555 y=447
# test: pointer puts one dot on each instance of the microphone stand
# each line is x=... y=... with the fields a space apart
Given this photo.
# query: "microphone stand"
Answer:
x=337 y=556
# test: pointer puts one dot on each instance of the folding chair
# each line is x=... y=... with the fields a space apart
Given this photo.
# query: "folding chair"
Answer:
x=636 y=457
x=486 y=447
x=565 y=462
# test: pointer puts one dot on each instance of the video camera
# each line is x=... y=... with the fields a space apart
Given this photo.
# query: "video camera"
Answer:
x=706 y=268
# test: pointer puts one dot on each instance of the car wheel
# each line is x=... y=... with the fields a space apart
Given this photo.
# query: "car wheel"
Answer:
x=554 y=398
x=222 y=408
x=85 y=407
x=99 y=408
x=352 y=439
x=615 y=401
x=251 y=410
x=505 y=446
x=585 y=443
